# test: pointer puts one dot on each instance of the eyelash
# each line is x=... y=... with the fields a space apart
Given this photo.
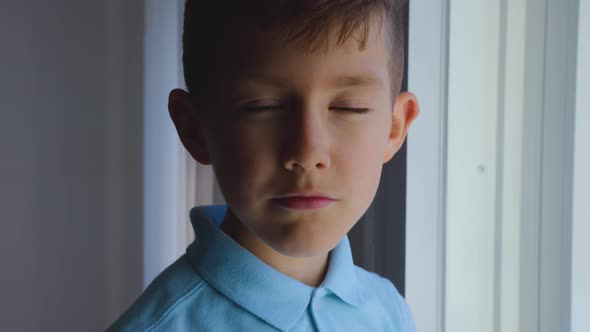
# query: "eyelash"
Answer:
x=264 y=108
x=352 y=109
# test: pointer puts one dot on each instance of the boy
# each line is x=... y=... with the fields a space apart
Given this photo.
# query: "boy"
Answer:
x=295 y=104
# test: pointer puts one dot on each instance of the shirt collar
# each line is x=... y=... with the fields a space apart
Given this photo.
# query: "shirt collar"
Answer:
x=341 y=276
x=254 y=285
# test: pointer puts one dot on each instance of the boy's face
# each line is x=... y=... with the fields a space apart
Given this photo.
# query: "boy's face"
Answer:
x=289 y=122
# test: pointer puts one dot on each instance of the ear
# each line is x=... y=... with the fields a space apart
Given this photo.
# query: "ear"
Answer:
x=405 y=111
x=189 y=128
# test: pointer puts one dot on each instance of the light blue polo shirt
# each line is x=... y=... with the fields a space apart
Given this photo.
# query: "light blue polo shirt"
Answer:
x=218 y=285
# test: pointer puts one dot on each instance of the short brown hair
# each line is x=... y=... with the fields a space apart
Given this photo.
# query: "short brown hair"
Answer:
x=207 y=28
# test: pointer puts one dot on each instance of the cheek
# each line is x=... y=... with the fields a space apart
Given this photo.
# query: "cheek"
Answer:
x=364 y=146
x=360 y=159
x=243 y=160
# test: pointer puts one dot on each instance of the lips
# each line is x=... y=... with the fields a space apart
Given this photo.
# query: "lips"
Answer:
x=304 y=202
x=307 y=194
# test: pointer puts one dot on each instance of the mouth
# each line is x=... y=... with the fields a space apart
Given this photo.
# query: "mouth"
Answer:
x=305 y=194
x=304 y=202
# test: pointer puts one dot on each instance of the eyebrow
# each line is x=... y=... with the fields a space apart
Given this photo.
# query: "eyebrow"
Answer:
x=338 y=82
x=360 y=81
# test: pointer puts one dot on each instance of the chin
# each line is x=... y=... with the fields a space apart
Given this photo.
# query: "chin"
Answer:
x=304 y=247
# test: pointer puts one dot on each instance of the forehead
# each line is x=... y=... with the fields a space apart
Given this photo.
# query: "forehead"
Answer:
x=270 y=56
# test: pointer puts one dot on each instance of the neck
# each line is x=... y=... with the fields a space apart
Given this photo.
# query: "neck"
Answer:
x=308 y=270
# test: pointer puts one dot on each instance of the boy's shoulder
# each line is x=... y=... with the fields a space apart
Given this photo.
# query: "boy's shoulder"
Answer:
x=216 y=279
x=375 y=283
x=381 y=290
x=180 y=287
x=168 y=290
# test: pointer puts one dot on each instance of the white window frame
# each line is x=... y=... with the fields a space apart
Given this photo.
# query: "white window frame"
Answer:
x=580 y=288
x=425 y=221
x=163 y=152
x=173 y=181
x=542 y=272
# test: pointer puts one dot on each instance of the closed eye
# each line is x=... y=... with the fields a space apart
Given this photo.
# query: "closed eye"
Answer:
x=351 y=109
x=266 y=108
x=260 y=108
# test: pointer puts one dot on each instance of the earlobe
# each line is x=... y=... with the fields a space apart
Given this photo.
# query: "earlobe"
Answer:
x=405 y=111
x=188 y=126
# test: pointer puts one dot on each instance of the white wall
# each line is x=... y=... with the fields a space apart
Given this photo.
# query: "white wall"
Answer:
x=71 y=162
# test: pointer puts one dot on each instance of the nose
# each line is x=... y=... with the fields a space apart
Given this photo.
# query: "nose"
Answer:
x=306 y=143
